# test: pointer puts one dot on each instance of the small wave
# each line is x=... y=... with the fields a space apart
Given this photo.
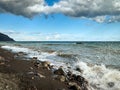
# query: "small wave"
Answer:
x=66 y=55
x=49 y=51
x=15 y=49
x=30 y=53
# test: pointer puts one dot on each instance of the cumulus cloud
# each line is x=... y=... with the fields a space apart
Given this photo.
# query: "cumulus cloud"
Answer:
x=97 y=10
x=20 y=7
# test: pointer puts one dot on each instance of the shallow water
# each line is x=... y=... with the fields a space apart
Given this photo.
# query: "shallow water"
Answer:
x=99 y=61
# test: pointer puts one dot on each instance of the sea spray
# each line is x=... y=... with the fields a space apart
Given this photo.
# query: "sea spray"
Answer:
x=100 y=77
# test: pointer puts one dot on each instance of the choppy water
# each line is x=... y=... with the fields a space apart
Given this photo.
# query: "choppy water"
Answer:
x=100 y=61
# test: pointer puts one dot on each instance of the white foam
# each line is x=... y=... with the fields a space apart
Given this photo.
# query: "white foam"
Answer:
x=30 y=52
x=15 y=49
x=99 y=76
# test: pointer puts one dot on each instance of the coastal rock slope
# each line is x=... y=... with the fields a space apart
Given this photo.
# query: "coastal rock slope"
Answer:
x=4 y=37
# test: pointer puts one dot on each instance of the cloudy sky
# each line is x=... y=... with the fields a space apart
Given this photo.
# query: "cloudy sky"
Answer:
x=64 y=20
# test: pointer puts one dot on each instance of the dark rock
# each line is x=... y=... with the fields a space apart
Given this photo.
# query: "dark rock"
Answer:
x=34 y=58
x=74 y=86
x=72 y=77
x=4 y=37
x=80 y=78
x=79 y=70
x=111 y=84
x=69 y=73
x=21 y=54
x=60 y=71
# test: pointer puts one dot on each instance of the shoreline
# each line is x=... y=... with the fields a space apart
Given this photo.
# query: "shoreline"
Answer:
x=35 y=75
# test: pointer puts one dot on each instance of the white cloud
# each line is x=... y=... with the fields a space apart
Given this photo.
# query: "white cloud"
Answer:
x=37 y=36
x=97 y=10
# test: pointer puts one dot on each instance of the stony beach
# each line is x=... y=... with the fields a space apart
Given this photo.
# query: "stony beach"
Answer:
x=16 y=73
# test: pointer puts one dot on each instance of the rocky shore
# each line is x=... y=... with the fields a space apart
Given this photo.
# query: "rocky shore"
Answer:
x=19 y=74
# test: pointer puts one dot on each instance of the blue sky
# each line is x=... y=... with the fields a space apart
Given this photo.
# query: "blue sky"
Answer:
x=57 y=27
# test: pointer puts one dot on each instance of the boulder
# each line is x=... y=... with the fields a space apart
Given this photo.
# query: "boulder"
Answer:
x=40 y=75
x=111 y=84
x=34 y=58
x=46 y=63
x=61 y=78
x=60 y=71
x=74 y=86
x=21 y=54
x=79 y=70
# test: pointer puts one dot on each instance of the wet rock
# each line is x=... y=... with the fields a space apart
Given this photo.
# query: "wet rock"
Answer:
x=45 y=64
x=60 y=71
x=34 y=58
x=69 y=73
x=80 y=78
x=35 y=62
x=72 y=77
x=82 y=82
x=61 y=78
x=21 y=54
x=111 y=84
x=79 y=70
x=74 y=86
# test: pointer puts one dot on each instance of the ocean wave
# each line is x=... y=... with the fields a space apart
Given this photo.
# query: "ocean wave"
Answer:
x=99 y=76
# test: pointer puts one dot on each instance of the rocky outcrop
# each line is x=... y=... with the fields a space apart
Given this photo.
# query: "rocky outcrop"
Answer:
x=4 y=37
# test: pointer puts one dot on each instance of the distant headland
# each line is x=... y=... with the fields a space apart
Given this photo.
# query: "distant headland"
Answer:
x=4 y=37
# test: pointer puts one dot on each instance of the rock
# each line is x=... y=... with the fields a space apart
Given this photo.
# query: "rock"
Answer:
x=79 y=70
x=35 y=62
x=111 y=84
x=46 y=65
x=72 y=77
x=31 y=68
x=2 y=63
x=69 y=73
x=40 y=75
x=34 y=58
x=33 y=78
x=61 y=78
x=59 y=72
x=2 y=58
x=80 y=78
x=74 y=86
x=21 y=54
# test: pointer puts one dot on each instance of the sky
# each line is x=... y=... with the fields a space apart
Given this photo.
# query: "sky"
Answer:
x=60 y=20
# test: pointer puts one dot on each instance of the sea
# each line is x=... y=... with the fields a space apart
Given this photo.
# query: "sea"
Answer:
x=99 y=62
